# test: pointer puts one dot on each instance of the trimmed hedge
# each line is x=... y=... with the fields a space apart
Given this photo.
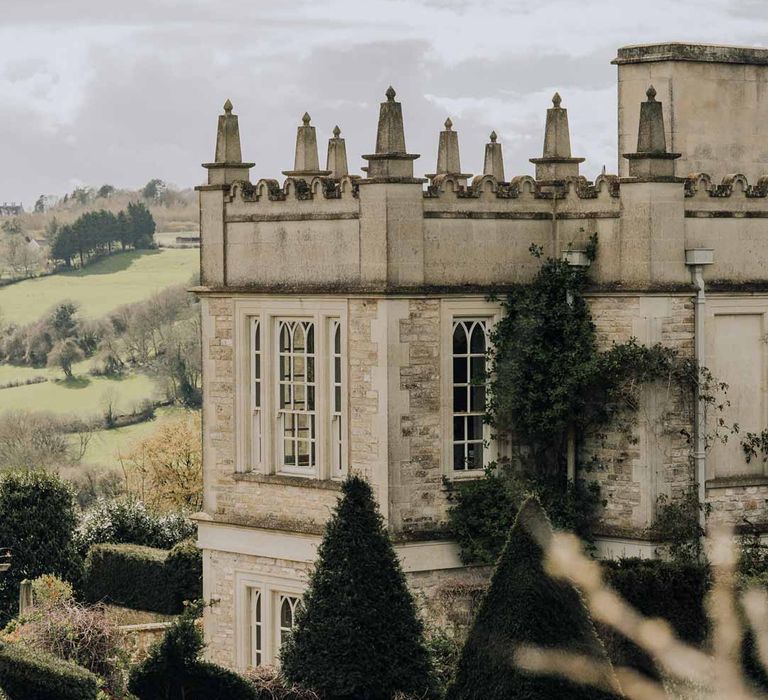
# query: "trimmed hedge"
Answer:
x=27 y=675
x=671 y=590
x=184 y=570
x=143 y=578
x=676 y=592
x=525 y=607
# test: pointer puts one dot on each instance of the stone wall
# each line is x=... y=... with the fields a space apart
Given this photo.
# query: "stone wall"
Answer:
x=417 y=503
x=649 y=456
x=444 y=597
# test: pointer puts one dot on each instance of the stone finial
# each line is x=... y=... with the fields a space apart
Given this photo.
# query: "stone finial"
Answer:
x=651 y=161
x=556 y=162
x=228 y=163
x=557 y=137
x=494 y=161
x=390 y=159
x=306 y=162
x=448 y=160
x=228 y=137
x=336 y=163
x=650 y=135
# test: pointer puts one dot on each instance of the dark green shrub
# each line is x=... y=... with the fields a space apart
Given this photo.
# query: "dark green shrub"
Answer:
x=37 y=520
x=524 y=606
x=129 y=575
x=27 y=675
x=173 y=670
x=144 y=578
x=358 y=635
x=483 y=510
x=184 y=572
x=674 y=591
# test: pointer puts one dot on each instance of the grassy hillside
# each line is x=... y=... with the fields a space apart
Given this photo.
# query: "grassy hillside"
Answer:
x=99 y=288
x=83 y=396
x=106 y=445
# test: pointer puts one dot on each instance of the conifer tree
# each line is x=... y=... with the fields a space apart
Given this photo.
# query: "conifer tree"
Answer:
x=524 y=606
x=358 y=634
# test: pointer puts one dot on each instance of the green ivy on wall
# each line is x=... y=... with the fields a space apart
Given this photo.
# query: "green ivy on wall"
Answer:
x=548 y=379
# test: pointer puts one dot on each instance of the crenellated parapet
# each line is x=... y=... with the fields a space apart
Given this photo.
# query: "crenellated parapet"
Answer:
x=391 y=229
x=294 y=189
x=700 y=185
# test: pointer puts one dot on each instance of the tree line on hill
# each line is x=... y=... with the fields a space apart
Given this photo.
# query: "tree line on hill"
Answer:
x=160 y=335
x=96 y=233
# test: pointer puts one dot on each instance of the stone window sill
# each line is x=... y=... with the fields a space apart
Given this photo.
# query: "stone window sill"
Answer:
x=729 y=482
x=288 y=480
x=465 y=476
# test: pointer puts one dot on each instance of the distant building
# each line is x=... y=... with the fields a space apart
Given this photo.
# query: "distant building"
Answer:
x=343 y=317
x=11 y=209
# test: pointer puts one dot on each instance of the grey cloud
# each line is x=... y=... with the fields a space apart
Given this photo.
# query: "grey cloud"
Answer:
x=157 y=74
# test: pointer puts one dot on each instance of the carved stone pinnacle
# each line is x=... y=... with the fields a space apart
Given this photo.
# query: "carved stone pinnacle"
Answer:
x=306 y=118
x=228 y=107
x=336 y=131
x=556 y=100
x=390 y=94
x=651 y=94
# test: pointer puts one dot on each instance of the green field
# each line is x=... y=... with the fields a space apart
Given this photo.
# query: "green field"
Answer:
x=17 y=373
x=120 y=279
x=106 y=445
x=84 y=396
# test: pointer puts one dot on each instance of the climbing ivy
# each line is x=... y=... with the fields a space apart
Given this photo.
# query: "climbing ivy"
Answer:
x=548 y=378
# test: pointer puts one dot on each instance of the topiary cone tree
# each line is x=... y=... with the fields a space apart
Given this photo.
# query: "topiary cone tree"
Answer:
x=358 y=634
x=524 y=606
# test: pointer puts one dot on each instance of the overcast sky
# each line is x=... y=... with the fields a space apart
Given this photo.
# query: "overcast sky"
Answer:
x=119 y=92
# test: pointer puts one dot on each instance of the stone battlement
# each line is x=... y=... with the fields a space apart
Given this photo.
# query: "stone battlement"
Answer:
x=391 y=230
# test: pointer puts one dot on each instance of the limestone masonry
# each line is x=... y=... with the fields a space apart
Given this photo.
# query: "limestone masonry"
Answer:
x=344 y=316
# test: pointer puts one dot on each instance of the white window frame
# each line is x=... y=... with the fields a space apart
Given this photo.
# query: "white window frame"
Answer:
x=451 y=310
x=258 y=443
x=271 y=590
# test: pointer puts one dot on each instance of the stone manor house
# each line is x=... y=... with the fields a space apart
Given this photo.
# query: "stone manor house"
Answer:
x=343 y=317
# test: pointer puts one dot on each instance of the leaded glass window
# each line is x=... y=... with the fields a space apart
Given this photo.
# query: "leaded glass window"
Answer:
x=338 y=465
x=469 y=344
x=288 y=608
x=255 y=629
x=256 y=427
x=297 y=410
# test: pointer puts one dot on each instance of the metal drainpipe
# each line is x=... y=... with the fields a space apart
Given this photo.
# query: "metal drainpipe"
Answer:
x=696 y=259
x=699 y=454
x=575 y=258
